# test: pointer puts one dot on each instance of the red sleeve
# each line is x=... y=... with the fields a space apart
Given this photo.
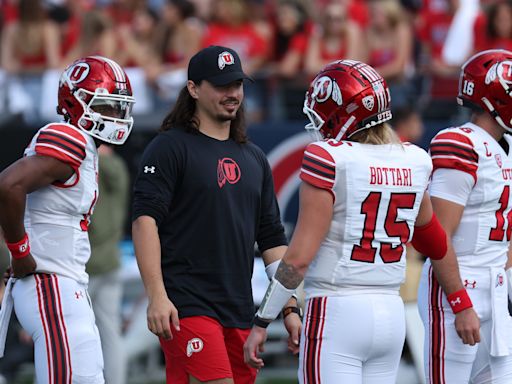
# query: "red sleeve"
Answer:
x=63 y=143
x=455 y=151
x=318 y=167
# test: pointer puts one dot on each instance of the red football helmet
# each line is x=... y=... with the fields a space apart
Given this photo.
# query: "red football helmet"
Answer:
x=345 y=97
x=485 y=82
x=95 y=95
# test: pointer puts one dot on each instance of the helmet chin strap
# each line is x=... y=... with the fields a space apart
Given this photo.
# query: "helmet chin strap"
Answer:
x=343 y=129
x=494 y=114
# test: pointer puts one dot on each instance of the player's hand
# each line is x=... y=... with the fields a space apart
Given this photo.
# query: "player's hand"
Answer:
x=254 y=345
x=467 y=325
x=293 y=325
x=161 y=314
x=24 y=266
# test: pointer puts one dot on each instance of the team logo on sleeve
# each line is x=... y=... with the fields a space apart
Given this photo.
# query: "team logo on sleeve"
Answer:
x=225 y=58
x=227 y=171
x=194 y=345
x=325 y=88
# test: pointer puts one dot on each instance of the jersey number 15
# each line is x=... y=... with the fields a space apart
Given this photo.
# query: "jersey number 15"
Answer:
x=365 y=251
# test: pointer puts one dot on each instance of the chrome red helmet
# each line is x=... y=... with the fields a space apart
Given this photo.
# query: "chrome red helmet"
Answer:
x=485 y=82
x=95 y=95
x=345 y=97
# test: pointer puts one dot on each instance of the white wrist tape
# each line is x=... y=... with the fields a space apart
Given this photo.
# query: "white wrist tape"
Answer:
x=509 y=282
x=272 y=268
x=276 y=297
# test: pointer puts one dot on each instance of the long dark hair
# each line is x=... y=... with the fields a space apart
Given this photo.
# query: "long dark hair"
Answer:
x=183 y=116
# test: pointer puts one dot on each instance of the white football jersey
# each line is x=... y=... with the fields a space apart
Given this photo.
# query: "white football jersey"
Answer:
x=483 y=234
x=57 y=216
x=377 y=191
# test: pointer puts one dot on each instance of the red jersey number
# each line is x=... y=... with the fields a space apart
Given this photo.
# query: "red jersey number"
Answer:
x=365 y=251
x=498 y=233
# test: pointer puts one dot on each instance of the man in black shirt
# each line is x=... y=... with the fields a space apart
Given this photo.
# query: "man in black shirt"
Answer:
x=203 y=197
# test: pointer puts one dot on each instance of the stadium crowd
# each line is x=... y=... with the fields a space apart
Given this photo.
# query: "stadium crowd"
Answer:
x=416 y=45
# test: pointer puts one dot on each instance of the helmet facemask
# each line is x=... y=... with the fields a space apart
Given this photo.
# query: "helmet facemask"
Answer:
x=114 y=127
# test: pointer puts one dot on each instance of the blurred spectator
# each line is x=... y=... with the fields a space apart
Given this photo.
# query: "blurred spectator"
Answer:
x=105 y=285
x=390 y=43
x=231 y=27
x=336 y=38
x=178 y=38
x=137 y=40
x=122 y=12
x=30 y=44
x=96 y=37
x=290 y=38
x=408 y=124
x=433 y=25
x=496 y=31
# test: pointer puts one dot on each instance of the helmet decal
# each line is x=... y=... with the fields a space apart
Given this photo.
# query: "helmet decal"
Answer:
x=324 y=88
x=78 y=73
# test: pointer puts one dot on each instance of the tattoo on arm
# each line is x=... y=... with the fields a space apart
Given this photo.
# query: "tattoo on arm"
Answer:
x=288 y=275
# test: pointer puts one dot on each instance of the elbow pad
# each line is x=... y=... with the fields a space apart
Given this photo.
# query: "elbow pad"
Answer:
x=430 y=239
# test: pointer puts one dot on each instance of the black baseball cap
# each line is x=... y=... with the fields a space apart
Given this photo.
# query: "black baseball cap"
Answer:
x=218 y=65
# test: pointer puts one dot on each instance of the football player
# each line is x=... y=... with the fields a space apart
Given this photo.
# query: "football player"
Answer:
x=362 y=200
x=46 y=200
x=470 y=192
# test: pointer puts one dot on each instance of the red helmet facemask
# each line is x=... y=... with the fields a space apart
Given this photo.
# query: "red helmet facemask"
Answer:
x=486 y=83
x=95 y=95
x=346 y=97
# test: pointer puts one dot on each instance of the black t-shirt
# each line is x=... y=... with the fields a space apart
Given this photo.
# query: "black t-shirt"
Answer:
x=212 y=201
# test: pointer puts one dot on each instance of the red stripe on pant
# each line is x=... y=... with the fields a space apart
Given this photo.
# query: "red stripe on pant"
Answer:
x=313 y=333
x=437 y=336
x=57 y=343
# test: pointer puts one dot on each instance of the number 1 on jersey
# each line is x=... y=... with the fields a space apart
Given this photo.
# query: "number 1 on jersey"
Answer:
x=498 y=233
x=365 y=251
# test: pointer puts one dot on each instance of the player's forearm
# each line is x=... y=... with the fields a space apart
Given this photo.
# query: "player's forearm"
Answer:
x=12 y=209
x=147 y=251
x=447 y=272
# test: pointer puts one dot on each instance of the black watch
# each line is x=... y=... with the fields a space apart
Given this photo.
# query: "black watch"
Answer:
x=286 y=311
x=263 y=323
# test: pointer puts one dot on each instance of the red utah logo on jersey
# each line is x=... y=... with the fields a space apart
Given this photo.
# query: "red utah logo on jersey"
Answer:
x=228 y=171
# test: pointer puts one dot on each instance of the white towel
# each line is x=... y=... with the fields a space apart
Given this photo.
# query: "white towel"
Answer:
x=499 y=308
x=5 y=313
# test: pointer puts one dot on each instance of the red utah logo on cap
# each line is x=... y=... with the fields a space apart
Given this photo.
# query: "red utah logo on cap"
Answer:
x=225 y=58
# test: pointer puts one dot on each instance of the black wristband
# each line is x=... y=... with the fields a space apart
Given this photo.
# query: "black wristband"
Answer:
x=286 y=311
x=258 y=321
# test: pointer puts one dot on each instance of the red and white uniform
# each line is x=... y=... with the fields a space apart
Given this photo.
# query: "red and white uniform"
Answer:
x=57 y=217
x=52 y=305
x=356 y=274
x=473 y=170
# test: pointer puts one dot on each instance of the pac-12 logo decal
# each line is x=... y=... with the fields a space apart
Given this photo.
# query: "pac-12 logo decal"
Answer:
x=194 y=345
x=227 y=171
x=324 y=88
x=225 y=58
